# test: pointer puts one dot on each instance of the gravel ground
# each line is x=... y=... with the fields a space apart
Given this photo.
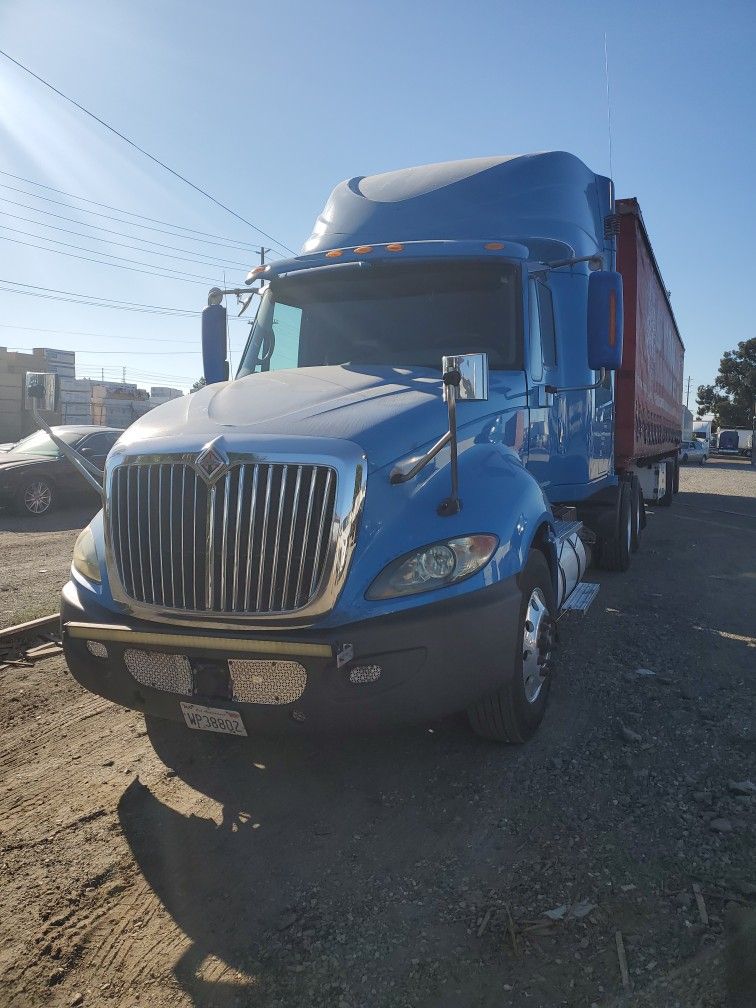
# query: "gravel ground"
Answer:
x=35 y=556
x=421 y=867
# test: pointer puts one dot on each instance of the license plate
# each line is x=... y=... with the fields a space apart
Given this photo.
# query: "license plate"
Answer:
x=216 y=719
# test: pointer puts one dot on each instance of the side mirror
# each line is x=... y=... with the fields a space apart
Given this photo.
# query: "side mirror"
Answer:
x=214 y=363
x=41 y=391
x=473 y=375
x=605 y=317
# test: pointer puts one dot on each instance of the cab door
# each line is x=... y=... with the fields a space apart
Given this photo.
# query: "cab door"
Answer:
x=547 y=429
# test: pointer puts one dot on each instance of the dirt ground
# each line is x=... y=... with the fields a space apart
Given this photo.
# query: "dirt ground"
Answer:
x=414 y=868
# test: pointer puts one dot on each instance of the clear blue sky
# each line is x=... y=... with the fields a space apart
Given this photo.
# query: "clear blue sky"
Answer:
x=268 y=105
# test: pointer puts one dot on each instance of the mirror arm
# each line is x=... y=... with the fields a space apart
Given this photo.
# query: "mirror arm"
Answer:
x=452 y=505
x=397 y=476
x=553 y=390
x=91 y=474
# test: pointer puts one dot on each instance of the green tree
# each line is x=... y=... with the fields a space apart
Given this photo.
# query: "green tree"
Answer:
x=731 y=396
x=200 y=383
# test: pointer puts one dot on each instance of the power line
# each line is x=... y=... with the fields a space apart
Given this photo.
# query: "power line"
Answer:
x=95 y=301
x=94 y=335
x=215 y=260
x=130 y=213
x=96 y=227
x=189 y=278
x=141 y=150
x=119 y=353
x=80 y=248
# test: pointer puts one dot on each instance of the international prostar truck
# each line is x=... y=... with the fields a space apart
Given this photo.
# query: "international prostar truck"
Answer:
x=433 y=427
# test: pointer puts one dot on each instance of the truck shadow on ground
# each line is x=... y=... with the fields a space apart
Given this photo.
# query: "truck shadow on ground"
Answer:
x=63 y=519
x=297 y=812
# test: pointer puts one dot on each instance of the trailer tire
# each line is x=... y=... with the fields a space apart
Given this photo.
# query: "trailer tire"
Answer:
x=666 y=499
x=616 y=552
x=637 y=515
x=514 y=712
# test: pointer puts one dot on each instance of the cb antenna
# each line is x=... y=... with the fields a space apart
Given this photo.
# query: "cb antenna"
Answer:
x=608 y=105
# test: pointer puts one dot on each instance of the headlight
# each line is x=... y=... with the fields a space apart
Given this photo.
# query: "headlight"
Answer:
x=85 y=556
x=433 y=566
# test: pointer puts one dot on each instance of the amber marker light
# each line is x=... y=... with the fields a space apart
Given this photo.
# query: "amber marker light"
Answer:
x=395 y=247
x=494 y=246
x=362 y=249
x=334 y=254
x=254 y=274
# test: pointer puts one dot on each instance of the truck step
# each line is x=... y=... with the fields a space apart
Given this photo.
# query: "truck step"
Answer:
x=564 y=529
x=581 y=598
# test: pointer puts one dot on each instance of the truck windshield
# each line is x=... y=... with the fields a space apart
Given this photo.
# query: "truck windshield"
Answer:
x=396 y=315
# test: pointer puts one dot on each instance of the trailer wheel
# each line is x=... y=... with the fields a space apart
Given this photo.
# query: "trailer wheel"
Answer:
x=666 y=499
x=514 y=712
x=636 y=511
x=615 y=552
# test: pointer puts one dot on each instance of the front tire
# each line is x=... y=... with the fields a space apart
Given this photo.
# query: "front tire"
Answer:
x=35 y=497
x=514 y=712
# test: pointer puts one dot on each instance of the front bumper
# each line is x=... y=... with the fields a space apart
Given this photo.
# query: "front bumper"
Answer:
x=435 y=660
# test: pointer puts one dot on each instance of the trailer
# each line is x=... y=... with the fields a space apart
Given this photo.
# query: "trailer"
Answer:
x=649 y=387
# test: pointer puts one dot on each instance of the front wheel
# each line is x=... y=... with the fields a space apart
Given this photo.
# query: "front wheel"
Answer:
x=514 y=712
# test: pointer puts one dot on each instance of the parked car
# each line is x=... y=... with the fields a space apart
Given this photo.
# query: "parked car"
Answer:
x=693 y=451
x=35 y=475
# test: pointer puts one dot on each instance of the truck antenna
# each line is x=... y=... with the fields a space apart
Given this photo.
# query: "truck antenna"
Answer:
x=608 y=104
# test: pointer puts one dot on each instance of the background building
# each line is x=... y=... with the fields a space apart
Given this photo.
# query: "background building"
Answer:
x=80 y=400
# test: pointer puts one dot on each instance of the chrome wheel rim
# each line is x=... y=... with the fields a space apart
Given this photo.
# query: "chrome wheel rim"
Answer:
x=537 y=642
x=37 y=498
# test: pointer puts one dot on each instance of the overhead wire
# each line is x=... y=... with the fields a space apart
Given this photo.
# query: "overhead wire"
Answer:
x=222 y=239
x=109 y=255
x=117 y=220
x=188 y=278
x=215 y=260
x=95 y=301
x=94 y=335
x=146 y=153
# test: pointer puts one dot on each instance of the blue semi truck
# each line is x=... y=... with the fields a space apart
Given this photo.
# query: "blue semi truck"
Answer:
x=382 y=516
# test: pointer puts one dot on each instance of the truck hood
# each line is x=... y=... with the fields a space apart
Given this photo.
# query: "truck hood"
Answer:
x=388 y=412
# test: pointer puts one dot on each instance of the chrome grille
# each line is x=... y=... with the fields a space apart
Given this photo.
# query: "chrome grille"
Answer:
x=255 y=541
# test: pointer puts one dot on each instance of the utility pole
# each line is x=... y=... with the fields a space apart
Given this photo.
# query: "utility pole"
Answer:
x=687 y=397
x=123 y=375
x=263 y=251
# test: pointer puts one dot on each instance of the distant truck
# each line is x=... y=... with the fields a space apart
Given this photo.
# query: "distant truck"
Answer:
x=687 y=424
x=733 y=442
x=703 y=429
x=434 y=425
